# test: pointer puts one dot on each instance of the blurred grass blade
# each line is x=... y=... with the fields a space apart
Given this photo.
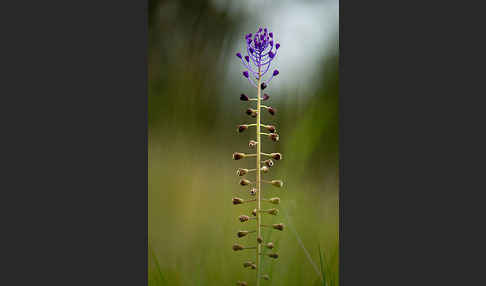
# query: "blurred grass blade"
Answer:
x=323 y=274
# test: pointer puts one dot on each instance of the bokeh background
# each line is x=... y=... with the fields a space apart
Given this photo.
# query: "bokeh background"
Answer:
x=194 y=86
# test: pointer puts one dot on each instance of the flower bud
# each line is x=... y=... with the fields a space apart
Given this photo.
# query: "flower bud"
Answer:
x=277 y=183
x=273 y=211
x=273 y=255
x=276 y=156
x=244 y=218
x=254 y=212
x=238 y=155
x=278 y=226
x=259 y=239
x=266 y=276
x=251 y=50
x=253 y=191
x=271 y=54
x=237 y=201
x=244 y=97
x=237 y=247
x=242 y=128
x=277 y=46
x=270 y=245
x=241 y=172
x=275 y=72
x=238 y=55
x=242 y=233
x=265 y=97
x=270 y=128
x=272 y=110
x=245 y=182
x=274 y=137
x=241 y=283
x=265 y=169
x=269 y=163
x=263 y=85
x=245 y=74
x=275 y=201
x=270 y=34
x=252 y=144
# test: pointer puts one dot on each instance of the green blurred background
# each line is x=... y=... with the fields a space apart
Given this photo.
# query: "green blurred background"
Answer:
x=194 y=86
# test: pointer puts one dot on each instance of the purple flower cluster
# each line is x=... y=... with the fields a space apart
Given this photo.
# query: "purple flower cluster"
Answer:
x=260 y=51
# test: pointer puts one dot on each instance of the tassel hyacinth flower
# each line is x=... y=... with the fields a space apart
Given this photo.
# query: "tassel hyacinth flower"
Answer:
x=261 y=50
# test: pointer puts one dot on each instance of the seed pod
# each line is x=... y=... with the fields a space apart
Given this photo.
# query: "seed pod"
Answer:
x=244 y=218
x=237 y=247
x=247 y=264
x=273 y=211
x=259 y=239
x=272 y=110
x=274 y=137
x=242 y=128
x=270 y=128
x=270 y=245
x=237 y=201
x=252 y=144
x=253 y=191
x=244 y=182
x=276 y=156
x=265 y=97
x=278 y=226
x=254 y=212
x=273 y=255
x=241 y=283
x=251 y=112
x=238 y=155
x=275 y=201
x=241 y=172
x=277 y=183
x=266 y=276
x=268 y=162
x=242 y=233
x=265 y=169
x=253 y=266
x=244 y=97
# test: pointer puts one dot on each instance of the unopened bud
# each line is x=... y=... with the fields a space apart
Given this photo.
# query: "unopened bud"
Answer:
x=242 y=128
x=244 y=97
x=241 y=172
x=252 y=144
x=237 y=201
x=237 y=247
x=275 y=201
x=244 y=218
x=276 y=156
x=273 y=211
x=268 y=162
x=270 y=245
x=254 y=212
x=278 y=226
x=242 y=233
x=272 y=110
x=274 y=137
x=266 y=276
x=277 y=183
x=241 y=283
x=265 y=97
x=245 y=182
x=265 y=169
x=238 y=155
x=259 y=239
x=253 y=191
x=263 y=85
x=273 y=255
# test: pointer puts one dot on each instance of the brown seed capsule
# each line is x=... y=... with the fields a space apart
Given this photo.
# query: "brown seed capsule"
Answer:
x=265 y=97
x=265 y=169
x=242 y=128
x=273 y=255
x=254 y=212
x=269 y=163
x=241 y=172
x=259 y=239
x=241 y=283
x=277 y=183
x=273 y=211
x=275 y=201
x=244 y=218
x=253 y=191
x=237 y=201
x=242 y=233
x=272 y=110
x=276 y=156
x=270 y=245
x=279 y=226
x=244 y=97
x=270 y=128
x=252 y=144
x=274 y=137
x=237 y=247
x=244 y=182
x=247 y=264
x=238 y=155
x=266 y=276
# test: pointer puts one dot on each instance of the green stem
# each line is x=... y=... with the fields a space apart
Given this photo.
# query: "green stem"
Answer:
x=258 y=180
